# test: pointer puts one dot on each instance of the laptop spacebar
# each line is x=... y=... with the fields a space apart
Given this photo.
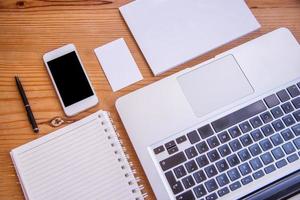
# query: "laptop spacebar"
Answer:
x=239 y=116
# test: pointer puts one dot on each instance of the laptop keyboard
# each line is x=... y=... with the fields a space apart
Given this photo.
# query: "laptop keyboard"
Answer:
x=235 y=150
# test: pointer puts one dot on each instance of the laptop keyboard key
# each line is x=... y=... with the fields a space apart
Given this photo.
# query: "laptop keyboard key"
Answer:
x=287 y=134
x=213 y=155
x=179 y=171
x=288 y=120
x=202 y=147
x=223 y=191
x=191 y=152
x=277 y=153
x=276 y=139
x=170 y=144
x=247 y=180
x=224 y=150
x=210 y=171
x=191 y=166
x=267 y=130
x=277 y=112
x=224 y=137
x=212 y=196
x=297 y=142
x=283 y=95
x=172 y=161
x=188 y=195
x=222 y=180
x=173 y=150
x=293 y=91
x=258 y=174
x=266 y=158
x=287 y=107
x=256 y=135
x=288 y=148
x=213 y=142
x=296 y=129
x=181 y=139
x=296 y=102
x=233 y=160
x=176 y=186
x=266 y=117
x=244 y=154
x=265 y=144
x=202 y=160
x=235 y=132
x=200 y=191
x=193 y=137
x=256 y=122
x=281 y=163
x=270 y=169
x=159 y=149
x=292 y=158
x=222 y=165
x=188 y=182
x=297 y=115
x=246 y=140
x=199 y=176
x=245 y=127
x=234 y=186
x=278 y=125
x=233 y=174
x=271 y=101
x=256 y=164
x=255 y=149
x=211 y=185
x=245 y=169
x=235 y=145
x=205 y=131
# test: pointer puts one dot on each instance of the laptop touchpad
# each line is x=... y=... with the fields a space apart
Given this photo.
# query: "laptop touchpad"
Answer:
x=214 y=85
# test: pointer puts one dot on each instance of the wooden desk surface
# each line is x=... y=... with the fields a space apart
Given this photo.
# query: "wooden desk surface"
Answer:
x=30 y=28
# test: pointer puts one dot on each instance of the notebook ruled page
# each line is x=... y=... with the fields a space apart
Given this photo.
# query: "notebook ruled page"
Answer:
x=76 y=163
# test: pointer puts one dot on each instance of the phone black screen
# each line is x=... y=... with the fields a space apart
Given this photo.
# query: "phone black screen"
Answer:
x=70 y=78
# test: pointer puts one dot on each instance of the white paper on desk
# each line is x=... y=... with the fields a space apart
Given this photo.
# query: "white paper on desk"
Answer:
x=118 y=64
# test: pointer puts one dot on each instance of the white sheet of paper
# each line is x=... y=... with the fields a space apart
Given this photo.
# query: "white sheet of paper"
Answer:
x=118 y=64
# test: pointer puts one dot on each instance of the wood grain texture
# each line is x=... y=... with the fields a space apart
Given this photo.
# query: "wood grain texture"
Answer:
x=29 y=28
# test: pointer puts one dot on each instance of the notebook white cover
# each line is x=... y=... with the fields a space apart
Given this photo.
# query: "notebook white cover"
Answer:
x=172 y=32
x=81 y=161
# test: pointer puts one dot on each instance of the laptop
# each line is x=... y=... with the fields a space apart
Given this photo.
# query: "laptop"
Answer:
x=228 y=128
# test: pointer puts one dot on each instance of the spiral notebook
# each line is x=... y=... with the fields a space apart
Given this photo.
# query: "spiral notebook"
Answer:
x=84 y=160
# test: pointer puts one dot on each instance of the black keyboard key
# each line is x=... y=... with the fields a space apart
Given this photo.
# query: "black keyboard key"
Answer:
x=287 y=134
x=212 y=196
x=278 y=125
x=256 y=122
x=239 y=116
x=283 y=95
x=213 y=142
x=271 y=101
x=191 y=152
x=265 y=144
x=235 y=132
x=296 y=129
x=224 y=150
x=223 y=191
x=244 y=154
x=234 y=186
x=266 y=117
x=266 y=158
x=287 y=107
x=247 y=180
x=292 y=158
x=235 y=145
x=213 y=155
x=245 y=169
x=276 y=139
x=188 y=195
x=224 y=137
x=222 y=165
x=270 y=169
x=293 y=91
x=246 y=140
x=256 y=135
x=277 y=112
x=277 y=153
x=188 y=182
x=297 y=142
x=179 y=171
x=288 y=120
x=255 y=149
x=173 y=150
x=296 y=102
x=281 y=163
x=222 y=180
x=233 y=160
x=233 y=174
x=170 y=144
x=181 y=139
x=258 y=174
x=245 y=127
x=205 y=131
x=176 y=186
x=200 y=191
x=193 y=137
x=202 y=147
x=199 y=176
x=210 y=171
x=159 y=149
x=202 y=160
x=256 y=164
x=288 y=148
x=172 y=161
x=297 y=115
x=211 y=185
x=191 y=166
x=267 y=130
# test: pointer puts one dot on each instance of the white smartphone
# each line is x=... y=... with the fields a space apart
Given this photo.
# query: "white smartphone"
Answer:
x=70 y=80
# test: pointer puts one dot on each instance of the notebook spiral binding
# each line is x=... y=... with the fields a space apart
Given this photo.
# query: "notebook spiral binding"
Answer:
x=137 y=188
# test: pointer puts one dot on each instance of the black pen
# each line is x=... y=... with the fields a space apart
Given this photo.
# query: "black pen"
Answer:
x=27 y=106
